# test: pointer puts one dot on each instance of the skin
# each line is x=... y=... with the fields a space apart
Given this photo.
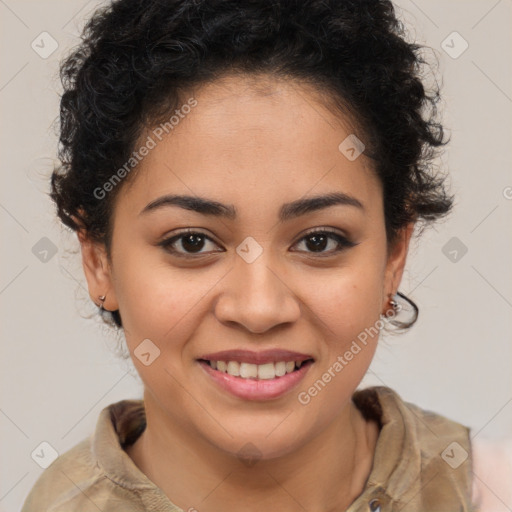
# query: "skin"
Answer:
x=255 y=143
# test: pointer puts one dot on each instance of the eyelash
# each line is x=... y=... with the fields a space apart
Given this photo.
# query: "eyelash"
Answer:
x=343 y=243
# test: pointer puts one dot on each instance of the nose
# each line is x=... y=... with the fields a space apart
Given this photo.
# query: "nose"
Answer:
x=257 y=297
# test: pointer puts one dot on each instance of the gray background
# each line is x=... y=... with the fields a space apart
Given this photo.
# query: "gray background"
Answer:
x=58 y=369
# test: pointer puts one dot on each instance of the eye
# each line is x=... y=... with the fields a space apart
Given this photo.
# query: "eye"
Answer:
x=187 y=243
x=318 y=241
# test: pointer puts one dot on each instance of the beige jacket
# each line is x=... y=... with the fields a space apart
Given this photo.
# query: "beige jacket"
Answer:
x=422 y=463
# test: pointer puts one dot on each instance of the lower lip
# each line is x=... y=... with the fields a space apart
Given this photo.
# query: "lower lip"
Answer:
x=257 y=389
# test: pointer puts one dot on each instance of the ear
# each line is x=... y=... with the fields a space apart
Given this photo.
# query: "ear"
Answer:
x=396 y=261
x=97 y=271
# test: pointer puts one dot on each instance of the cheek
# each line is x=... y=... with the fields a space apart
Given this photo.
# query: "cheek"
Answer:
x=346 y=300
x=159 y=302
x=144 y=290
x=346 y=310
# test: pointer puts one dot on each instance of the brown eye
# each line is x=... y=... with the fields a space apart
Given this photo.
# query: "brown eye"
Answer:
x=319 y=241
x=193 y=242
x=190 y=242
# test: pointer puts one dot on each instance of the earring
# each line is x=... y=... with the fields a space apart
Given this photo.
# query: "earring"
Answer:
x=402 y=304
x=102 y=300
x=393 y=302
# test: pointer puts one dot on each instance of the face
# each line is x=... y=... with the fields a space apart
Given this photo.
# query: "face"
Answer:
x=265 y=268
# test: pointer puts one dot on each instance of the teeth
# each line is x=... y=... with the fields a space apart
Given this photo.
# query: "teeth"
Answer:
x=248 y=370
x=266 y=371
x=280 y=369
x=233 y=368
x=255 y=371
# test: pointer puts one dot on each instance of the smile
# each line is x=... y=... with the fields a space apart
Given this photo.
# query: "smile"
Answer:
x=256 y=381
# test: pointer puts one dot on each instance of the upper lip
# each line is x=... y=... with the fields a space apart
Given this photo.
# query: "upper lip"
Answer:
x=262 y=357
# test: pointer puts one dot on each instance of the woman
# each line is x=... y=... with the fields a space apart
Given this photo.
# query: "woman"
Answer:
x=244 y=179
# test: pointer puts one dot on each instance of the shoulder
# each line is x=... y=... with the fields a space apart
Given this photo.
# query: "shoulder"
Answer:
x=422 y=458
x=492 y=474
x=480 y=468
x=75 y=482
x=67 y=471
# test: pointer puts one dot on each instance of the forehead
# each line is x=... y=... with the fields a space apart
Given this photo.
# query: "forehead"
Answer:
x=253 y=140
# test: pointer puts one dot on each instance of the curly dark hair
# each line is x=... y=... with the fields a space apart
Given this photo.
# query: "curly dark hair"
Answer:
x=137 y=59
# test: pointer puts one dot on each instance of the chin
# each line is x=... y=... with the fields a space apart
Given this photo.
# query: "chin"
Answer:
x=259 y=445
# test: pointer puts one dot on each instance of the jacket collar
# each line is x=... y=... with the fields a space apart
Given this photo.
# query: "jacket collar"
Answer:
x=408 y=468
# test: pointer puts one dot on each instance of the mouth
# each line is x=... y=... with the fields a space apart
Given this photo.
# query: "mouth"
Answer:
x=265 y=379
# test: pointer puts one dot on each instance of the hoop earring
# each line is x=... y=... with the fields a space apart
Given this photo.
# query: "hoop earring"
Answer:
x=398 y=301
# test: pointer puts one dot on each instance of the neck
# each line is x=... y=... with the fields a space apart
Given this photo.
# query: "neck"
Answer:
x=328 y=473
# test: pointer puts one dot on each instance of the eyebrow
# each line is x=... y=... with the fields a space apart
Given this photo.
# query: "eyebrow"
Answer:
x=287 y=211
